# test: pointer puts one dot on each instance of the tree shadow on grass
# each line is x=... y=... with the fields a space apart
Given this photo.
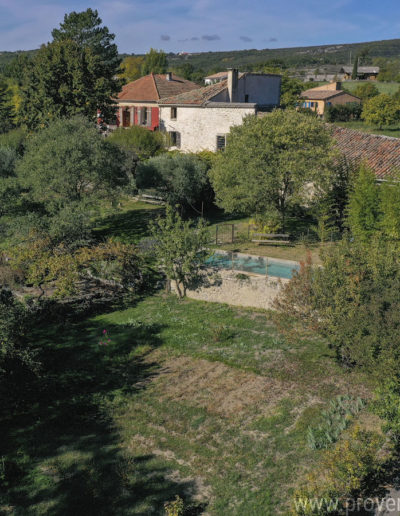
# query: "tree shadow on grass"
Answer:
x=63 y=455
x=130 y=226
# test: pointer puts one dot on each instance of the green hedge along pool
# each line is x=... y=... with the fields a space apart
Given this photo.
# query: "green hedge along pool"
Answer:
x=253 y=264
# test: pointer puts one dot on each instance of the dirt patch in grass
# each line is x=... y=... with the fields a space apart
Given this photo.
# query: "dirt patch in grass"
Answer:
x=220 y=389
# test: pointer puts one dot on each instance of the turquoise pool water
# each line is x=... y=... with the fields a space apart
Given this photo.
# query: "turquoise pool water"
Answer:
x=254 y=264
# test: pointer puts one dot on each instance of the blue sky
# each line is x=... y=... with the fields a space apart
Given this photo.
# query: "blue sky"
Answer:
x=203 y=25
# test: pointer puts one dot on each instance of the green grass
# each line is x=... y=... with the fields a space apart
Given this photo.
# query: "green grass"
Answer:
x=383 y=87
x=202 y=400
x=128 y=222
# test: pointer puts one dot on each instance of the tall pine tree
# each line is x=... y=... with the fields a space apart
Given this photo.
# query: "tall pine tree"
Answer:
x=6 y=109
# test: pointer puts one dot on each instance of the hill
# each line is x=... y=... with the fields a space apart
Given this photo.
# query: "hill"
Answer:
x=294 y=57
x=291 y=57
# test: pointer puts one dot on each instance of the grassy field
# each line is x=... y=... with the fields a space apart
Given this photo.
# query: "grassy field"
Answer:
x=383 y=87
x=202 y=400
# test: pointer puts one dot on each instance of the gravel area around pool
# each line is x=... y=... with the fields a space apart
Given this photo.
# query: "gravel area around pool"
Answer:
x=240 y=289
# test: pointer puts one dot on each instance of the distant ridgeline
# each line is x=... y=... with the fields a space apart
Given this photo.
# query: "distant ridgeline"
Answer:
x=295 y=57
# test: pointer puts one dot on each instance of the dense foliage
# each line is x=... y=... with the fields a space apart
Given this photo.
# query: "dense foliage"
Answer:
x=180 y=250
x=74 y=74
x=343 y=112
x=381 y=110
x=139 y=140
x=181 y=179
x=281 y=153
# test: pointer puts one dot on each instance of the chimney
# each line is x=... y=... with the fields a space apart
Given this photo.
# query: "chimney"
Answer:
x=168 y=76
x=233 y=84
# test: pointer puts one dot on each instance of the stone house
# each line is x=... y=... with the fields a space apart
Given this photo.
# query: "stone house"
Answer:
x=200 y=119
x=137 y=103
x=364 y=73
x=321 y=97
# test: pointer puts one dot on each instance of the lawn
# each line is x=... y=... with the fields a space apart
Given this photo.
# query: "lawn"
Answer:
x=202 y=400
x=383 y=87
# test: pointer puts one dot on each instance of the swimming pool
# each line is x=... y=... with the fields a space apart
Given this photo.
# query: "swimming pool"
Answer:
x=253 y=264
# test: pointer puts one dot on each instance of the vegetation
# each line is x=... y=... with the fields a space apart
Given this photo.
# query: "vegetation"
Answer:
x=155 y=61
x=140 y=141
x=180 y=179
x=131 y=68
x=74 y=74
x=180 y=250
x=281 y=153
x=381 y=110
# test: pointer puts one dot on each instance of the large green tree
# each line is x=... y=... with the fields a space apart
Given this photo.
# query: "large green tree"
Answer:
x=272 y=162
x=69 y=161
x=74 y=74
x=155 y=61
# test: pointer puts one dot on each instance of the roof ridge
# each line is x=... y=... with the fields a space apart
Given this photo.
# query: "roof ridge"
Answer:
x=155 y=85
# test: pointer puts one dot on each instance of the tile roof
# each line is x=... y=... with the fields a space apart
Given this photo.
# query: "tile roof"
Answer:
x=381 y=153
x=323 y=94
x=151 y=88
x=198 y=96
x=361 y=69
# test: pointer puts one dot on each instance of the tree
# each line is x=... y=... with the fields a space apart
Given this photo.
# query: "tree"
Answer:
x=180 y=249
x=366 y=91
x=354 y=73
x=131 y=68
x=84 y=28
x=9 y=190
x=155 y=61
x=271 y=162
x=69 y=162
x=363 y=209
x=390 y=208
x=381 y=110
x=6 y=109
x=179 y=178
x=75 y=74
x=139 y=140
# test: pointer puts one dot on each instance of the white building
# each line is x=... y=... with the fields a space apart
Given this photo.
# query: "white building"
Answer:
x=200 y=119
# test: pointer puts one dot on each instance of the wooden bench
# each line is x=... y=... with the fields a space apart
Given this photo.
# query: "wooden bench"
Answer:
x=270 y=238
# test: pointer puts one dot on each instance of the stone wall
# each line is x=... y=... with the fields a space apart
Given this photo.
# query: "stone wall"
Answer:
x=199 y=126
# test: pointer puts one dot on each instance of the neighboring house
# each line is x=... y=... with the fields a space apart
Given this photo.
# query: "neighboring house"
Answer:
x=217 y=77
x=380 y=153
x=364 y=73
x=319 y=98
x=201 y=119
x=138 y=100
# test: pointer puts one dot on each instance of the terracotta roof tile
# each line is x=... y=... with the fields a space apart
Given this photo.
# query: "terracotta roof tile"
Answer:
x=381 y=153
x=151 y=88
x=323 y=94
x=198 y=96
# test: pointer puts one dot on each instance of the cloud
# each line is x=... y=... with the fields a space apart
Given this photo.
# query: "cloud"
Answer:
x=245 y=38
x=165 y=37
x=194 y=38
x=210 y=37
x=273 y=39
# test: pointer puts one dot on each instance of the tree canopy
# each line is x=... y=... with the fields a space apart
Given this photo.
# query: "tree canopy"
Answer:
x=74 y=74
x=6 y=109
x=69 y=161
x=269 y=161
x=381 y=110
x=155 y=61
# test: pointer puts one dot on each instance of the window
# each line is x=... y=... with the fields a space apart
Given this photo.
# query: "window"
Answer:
x=329 y=103
x=145 y=116
x=173 y=113
x=311 y=104
x=246 y=98
x=175 y=139
x=221 y=141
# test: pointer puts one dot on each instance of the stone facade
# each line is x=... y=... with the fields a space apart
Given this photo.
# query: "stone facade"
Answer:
x=199 y=126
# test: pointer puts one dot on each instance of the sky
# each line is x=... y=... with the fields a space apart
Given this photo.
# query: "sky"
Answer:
x=207 y=25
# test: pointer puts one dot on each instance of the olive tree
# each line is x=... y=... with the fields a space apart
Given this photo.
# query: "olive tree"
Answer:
x=272 y=162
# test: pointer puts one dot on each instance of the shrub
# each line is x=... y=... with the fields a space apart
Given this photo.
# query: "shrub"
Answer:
x=139 y=140
x=343 y=112
x=335 y=420
x=342 y=474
